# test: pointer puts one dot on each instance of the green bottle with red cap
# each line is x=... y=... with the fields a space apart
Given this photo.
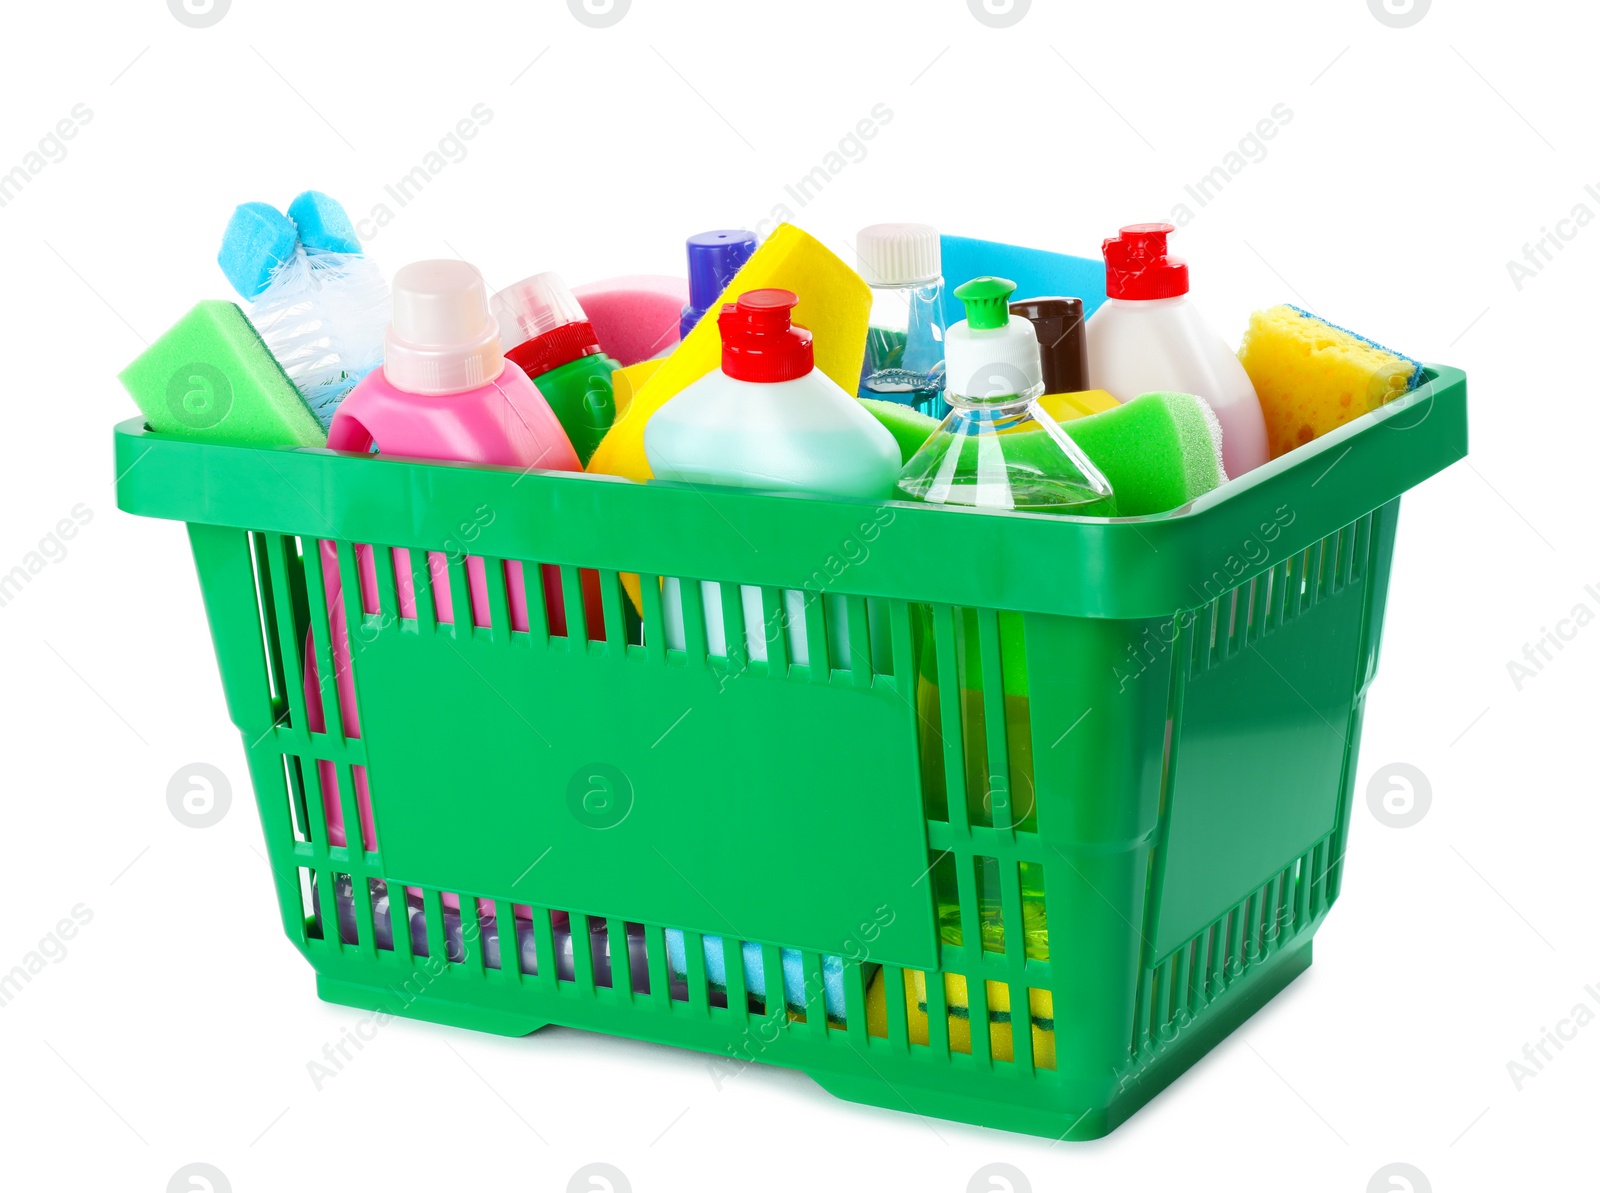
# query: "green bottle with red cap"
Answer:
x=546 y=333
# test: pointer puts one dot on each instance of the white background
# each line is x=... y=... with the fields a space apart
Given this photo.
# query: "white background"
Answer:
x=178 y=1025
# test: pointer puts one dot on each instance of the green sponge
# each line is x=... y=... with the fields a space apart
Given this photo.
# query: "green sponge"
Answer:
x=1159 y=451
x=909 y=427
x=210 y=377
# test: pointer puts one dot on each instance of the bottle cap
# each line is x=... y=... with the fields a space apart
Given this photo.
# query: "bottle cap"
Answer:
x=759 y=339
x=1058 y=322
x=714 y=257
x=442 y=339
x=542 y=325
x=898 y=254
x=985 y=300
x=1137 y=265
x=989 y=355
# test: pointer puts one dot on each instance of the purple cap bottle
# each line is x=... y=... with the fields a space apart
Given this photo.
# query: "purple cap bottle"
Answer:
x=714 y=257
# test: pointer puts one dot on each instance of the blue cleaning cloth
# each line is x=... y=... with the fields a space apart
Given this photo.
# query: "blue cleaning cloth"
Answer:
x=1037 y=273
x=258 y=239
x=323 y=224
x=755 y=978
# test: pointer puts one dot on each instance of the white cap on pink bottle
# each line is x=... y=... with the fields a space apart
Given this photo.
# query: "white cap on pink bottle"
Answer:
x=442 y=339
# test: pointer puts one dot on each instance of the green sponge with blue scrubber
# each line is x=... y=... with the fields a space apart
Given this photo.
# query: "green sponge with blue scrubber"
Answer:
x=1312 y=376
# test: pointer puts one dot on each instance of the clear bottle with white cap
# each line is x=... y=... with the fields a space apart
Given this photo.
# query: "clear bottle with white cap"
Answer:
x=997 y=449
x=906 y=329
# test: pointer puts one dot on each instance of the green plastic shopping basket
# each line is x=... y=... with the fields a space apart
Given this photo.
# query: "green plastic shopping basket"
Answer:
x=1098 y=769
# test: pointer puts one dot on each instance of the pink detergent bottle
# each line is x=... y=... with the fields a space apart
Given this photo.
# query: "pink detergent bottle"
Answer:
x=445 y=392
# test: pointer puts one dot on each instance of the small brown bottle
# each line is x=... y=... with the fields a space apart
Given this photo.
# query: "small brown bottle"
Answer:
x=1058 y=322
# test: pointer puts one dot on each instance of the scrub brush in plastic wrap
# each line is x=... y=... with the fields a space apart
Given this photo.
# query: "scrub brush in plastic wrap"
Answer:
x=318 y=303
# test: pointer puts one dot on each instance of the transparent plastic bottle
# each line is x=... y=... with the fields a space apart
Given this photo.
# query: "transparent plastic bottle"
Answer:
x=997 y=449
x=906 y=329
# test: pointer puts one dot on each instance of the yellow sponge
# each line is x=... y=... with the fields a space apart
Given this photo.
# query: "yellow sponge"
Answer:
x=1041 y=1016
x=1311 y=376
x=1066 y=407
x=834 y=303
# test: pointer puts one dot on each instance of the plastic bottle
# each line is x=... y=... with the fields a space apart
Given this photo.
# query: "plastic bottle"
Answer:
x=1149 y=336
x=1058 y=324
x=768 y=419
x=714 y=258
x=445 y=392
x=545 y=332
x=997 y=449
x=906 y=329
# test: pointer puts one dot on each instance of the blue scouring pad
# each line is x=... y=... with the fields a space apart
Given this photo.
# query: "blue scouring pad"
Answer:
x=258 y=239
x=323 y=224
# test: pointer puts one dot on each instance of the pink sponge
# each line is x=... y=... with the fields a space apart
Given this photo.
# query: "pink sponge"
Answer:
x=634 y=317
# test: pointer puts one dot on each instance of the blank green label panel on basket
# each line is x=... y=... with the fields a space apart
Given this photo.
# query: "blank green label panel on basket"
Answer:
x=650 y=794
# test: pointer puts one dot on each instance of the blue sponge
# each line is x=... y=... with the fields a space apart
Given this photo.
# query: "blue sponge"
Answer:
x=323 y=224
x=259 y=238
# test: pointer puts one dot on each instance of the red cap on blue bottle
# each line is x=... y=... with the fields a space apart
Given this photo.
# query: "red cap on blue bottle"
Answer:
x=759 y=339
x=1137 y=265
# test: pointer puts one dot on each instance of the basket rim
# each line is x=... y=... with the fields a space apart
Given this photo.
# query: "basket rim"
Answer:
x=1024 y=562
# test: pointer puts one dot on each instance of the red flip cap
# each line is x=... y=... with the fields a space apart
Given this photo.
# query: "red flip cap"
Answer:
x=1137 y=265
x=556 y=347
x=759 y=339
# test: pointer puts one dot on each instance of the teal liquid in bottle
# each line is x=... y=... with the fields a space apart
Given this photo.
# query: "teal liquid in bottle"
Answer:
x=905 y=330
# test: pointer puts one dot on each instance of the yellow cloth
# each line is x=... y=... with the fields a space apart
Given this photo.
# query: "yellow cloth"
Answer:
x=627 y=382
x=1040 y=1006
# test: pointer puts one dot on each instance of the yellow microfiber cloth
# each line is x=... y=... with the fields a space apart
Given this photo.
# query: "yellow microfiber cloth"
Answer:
x=834 y=303
x=1040 y=1007
x=1311 y=376
x=629 y=381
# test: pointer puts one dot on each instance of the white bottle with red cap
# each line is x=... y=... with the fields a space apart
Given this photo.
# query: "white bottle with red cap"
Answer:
x=1150 y=337
x=768 y=419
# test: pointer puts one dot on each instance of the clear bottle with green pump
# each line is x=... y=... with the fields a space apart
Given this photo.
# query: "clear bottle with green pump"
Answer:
x=997 y=449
